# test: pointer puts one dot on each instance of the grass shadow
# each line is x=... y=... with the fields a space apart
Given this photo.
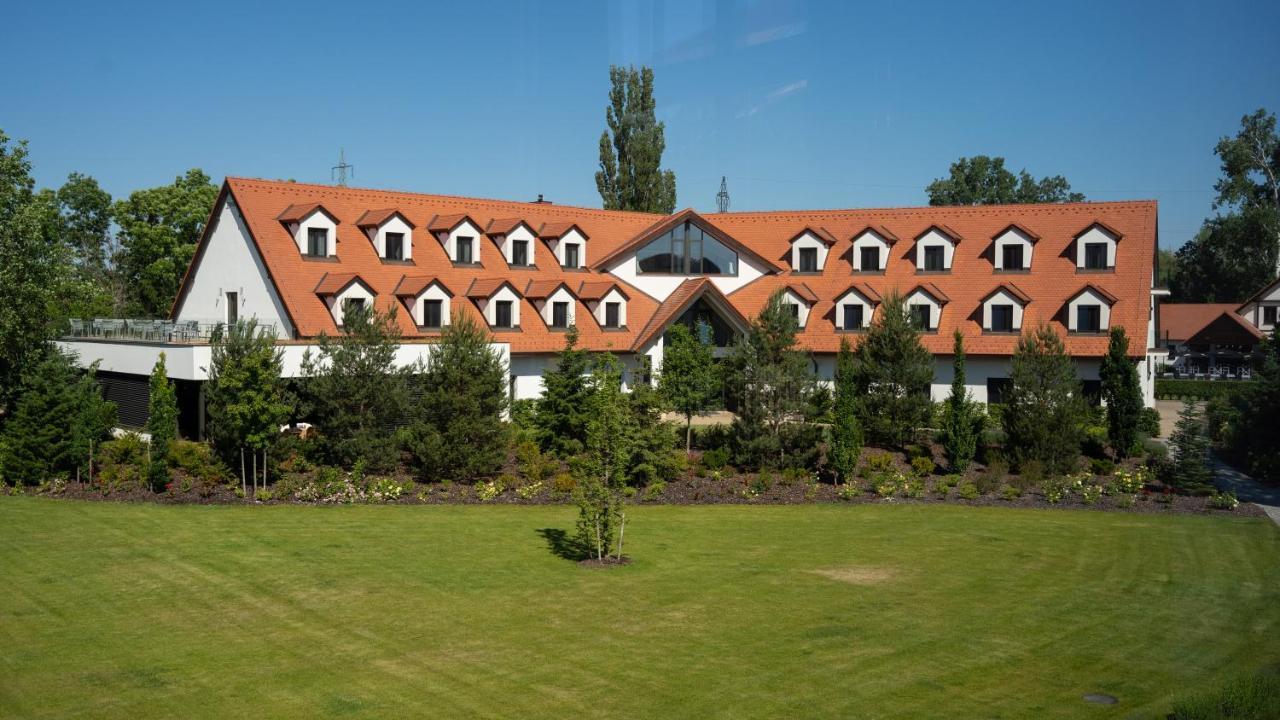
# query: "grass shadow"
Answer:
x=563 y=546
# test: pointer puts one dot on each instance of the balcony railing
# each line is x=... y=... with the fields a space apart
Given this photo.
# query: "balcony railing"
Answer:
x=154 y=331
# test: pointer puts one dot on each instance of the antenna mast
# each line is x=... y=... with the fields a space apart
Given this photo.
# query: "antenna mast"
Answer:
x=339 y=171
x=722 y=197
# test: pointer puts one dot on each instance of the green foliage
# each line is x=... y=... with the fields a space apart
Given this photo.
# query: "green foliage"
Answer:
x=1250 y=698
x=197 y=460
x=893 y=373
x=84 y=215
x=603 y=470
x=1248 y=422
x=562 y=413
x=162 y=424
x=983 y=180
x=922 y=466
x=968 y=491
x=962 y=416
x=1184 y=389
x=770 y=380
x=1149 y=422
x=58 y=416
x=689 y=379
x=1009 y=493
x=354 y=392
x=159 y=229
x=1190 y=471
x=653 y=457
x=1044 y=413
x=715 y=458
x=533 y=463
x=630 y=177
x=245 y=398
x=458 y=429
x=1122 y=392
x=1224 y=501
x=846 y=431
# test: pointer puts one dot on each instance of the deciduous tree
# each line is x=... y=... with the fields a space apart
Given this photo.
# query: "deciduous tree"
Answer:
x=983 y=180
x=630 y=175
x=603 y=470
x=689 y=380
x=894 y=372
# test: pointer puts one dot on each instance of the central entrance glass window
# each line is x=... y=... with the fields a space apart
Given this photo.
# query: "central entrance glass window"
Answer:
x=687 y=250
x=702 y=318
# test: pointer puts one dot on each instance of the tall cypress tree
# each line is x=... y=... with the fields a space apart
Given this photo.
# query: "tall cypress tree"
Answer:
x=162 y=424
x=894 y=373
x=1122 y=390
x=963 y=421
x=631 y=148
x=562 y=412
x=846 y=434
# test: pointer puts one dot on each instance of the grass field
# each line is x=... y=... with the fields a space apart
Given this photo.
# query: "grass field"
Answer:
x=141 y=611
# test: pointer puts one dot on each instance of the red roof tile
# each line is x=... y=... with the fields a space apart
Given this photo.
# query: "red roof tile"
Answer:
x=803 y=292
x=884 y=232
x=505 y=226
x=821 y=233
x=1181 y=321
x=485 y=287
x=1012 y=289
x=334 y=283
x=554 y=230
x=301 y=211
x=375 y=218
x=447 y=223
x=597 y=289
x=542 y=289
x=413 y=285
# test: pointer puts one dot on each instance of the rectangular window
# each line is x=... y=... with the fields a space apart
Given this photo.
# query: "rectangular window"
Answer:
x=933 y=258
x=464 y=250
x=351 y=306
x=432 y=313
x=1088 y=318
x=920 y=316
x=870 y=257
x=1095 y=256
x=795 y=311
x=318 y=242
x=1269 y=315
x=612 y=313
x=997 y=389
x=502 y=314
x=1002 y=318
x=571 y=255
x=853 y=317
x=1012 y=258
x=519 y=252
x=233 y=308
x=808 y=259
x=560 y=314
x=395 y=246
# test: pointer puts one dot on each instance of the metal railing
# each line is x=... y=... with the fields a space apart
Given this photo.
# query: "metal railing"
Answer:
x=155 y=331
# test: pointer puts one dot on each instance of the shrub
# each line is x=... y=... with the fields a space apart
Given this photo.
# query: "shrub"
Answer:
x=794 y=475
x=128 y=449
x=1178 y=389
x=564 y=483
x=1010 y=493
x=849 y=491
x=486 y=491
x=1094 y=443
x=887 y=484
x=264 y=495
x=1149 y=422
x=942 y=486
x=197 y=460
x=715 y=459
x=913 y=489
x=1101 y=466
x=1131 y=481
x=1056 y=489
x=1224 y=501
x=533 y=463
x=529 y=491
x=1126 y=501
x=968 y=491
x=922 y=466
x=1091 y=493
x=654 y=490
x=763 y=481
x=879 y=462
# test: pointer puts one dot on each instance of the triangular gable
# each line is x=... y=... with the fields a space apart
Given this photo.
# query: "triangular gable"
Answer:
x=600 y=289
x=881 y=231
x=1012 y=291
x=932 y=291
x=378 y=218
x=506 y=226
x=822 y=234
x=862 y=290
x=804 y=292
x=688 y=214
x=1227 y=329
x=557 y=230
x=301 y=211
x=1111 y=299
x=1101 y=225
x=449 y=223
x=951 y=235
x=415 y=285
x=1265 y=291
x=483 y=288
x=337 y=283
x=1021 y=229
x=680 y=300
x=543 y=289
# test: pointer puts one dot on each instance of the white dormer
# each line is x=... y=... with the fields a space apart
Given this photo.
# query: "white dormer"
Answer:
x=871 y=249
x=1002 y=310
x=809 y=250
x=924 y=306
x=936 y=249
x=1089 y=311
x=606 y=302
x=427 y=299
x=1096 y=248
x=460 y=236
x=568 y=244
x=801 y=300
x=1012 y=249
x=516 y=240
x=340 y=291
x=390 y=232
x=853 y=309
x=314 y=229
x=498 y=302
x=560 y=309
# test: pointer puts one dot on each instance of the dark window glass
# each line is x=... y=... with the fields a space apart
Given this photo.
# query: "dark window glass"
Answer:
x=233 y=308
x=997 y=389
x=1269 y=315
x=318 y=242
x=1012 y=259
x=1088 y=318
x=1002 y=318
x=686 y=250
x=432 y=315
x=464 y=250
x=1092 y=390
x=571 y=255
x=706 y=324
x=853 y=317
x=395 y=246
x=612 y=311
x=808 y=259
x=933 y=257
x=1095 y=256
x=502 y=314
x=351 y=306
x=560 y=314
x=795 y=311
x=519 y=252
x=920 y=316
x=870 y=259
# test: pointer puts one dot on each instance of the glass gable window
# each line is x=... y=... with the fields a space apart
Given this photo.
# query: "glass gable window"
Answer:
x=1012 y=258
x=611 y=314
x=519 y=252
x=1002 y=318
x=571 y=255
x=502 y=314
x=1088 y=318
x=870 y=259
x=852 y=317
x=432 y=315
x=317 y=242
x=808 y=259
x=560 y=314
x=1095 y=256
x=687 y=250
x=706 y=324
x=464 y=249
x=395 y=246
x=933 y=258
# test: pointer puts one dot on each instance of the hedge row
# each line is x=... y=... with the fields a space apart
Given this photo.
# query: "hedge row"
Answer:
x=1179 y=389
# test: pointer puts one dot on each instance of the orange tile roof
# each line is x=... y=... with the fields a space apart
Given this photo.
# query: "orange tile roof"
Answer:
x=1181 y=321
x=482 y=288
x=1111 y=299
x=1052 y=280
x=334 y=283
x=803 y=292
x=930 y=289
x=1020 y=228
x=1012 y=289
x=880 y=230
x=505 y=226
x=554 y=230
x=413 y=285
x=597 y=289
x=955 y=236
x=446 y=223
x=542 y=289
x=375 y=218
x=680 y=299
x=821 y=233
x=300 y=212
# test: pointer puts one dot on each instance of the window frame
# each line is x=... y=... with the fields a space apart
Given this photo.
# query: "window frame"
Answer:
x=845 y=309
x=470 y=246
x=438 y=306
x=613 y=314
x=1021 y=252
x=348 y=304
x=498 y=307
x=862 y=259
x=522 y=245
x=312 y=234
x=1102 y=247
x=386 y=246
x=1269 y=314
x=575 y=249
x=559 y=307
x=1095 y=312
x=916 y=308
x=233 y=306
x=937 y=251
x=808 y=256
x=1003 y=308
x=687 y=256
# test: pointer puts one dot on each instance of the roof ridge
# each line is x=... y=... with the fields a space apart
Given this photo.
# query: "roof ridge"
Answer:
x=794 y=214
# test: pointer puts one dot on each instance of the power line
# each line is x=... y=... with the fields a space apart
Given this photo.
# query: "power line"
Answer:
x=722 y=197
x=339 y=172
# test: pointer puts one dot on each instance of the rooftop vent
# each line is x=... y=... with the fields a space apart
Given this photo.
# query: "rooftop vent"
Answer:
x=540 y=201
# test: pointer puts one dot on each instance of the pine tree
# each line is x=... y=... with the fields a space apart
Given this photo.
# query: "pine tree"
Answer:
x=963 y=421
x=894 y=372
x=1045 y=411
x=689 y=380
x=562 y=414
x=1190 y=471
x=652 y=455
x=846 y=433
x=631 y=148
x=1122 y=390
x=246 y=400
x=162 y=424
x=458 y=430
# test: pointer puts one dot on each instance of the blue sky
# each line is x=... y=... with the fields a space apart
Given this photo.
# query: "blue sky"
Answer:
x=800 y=104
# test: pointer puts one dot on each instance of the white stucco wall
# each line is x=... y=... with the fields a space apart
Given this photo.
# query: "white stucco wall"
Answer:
x=808 y=240
x=1096 y=234
x=231 y=263
x=466 y=229
x=1002 y=298
x=393 y=225
x=1089 y=297
x=920 y=297
x=598 y=307
x=1254 y=313
x=1014 y=237
x=660 y=286
x=316 y=219
x=870 y=238
x=432 y=292
x=934 y=238
x=520 y=233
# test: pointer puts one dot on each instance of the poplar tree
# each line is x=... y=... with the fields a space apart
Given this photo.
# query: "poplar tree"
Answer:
x=630 y=177
x=1122 y=390
x=963 y=420
x=846 y=434
x=162 y=424
x=894 y=372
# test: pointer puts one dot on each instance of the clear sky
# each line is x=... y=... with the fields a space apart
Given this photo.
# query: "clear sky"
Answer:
x=801 y=104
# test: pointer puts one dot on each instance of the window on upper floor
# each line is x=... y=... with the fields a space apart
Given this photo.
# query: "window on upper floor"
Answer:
x=998 y=389
x=1095 y=256
x=935 y=258
x=808 y=260
x=870 y=259
x=351 y=306
x=560 y=314
x=795 y=311
x=502 y=314
x=465 y=250
x=1269 y=315
x=1012 y=257
x=852 y=317
x=1002 y=318
x=571 y=255
x=233 y=307
x=1088 y=318
x=612 y=313
x=687 y=250
x=920 y=316
x=318 y=242
x=432 y=313
x=520 y=252
x=395 y=246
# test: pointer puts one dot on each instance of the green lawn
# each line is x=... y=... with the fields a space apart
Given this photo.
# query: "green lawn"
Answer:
x=138 y=611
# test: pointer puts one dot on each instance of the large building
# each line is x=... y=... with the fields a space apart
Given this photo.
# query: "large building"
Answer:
x=296 y=256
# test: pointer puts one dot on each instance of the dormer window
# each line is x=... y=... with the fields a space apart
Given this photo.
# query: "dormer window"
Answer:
x=395 y=246
x=809 y=249
x=870 y=252
x=1095 y=256
x=498 y=302
x=351 y=306
x=571 y=255
x=801 y=299
x=1096 y=248
x=920 y=317
x=1002 y=318
x=606 y=301
x=612 y=312
x=1012 y=249
x=568 y=243
x=869 y=259
x=426 y=299
x=344 y=294
x=1089 y=311
x=464 y=250
x=924 y=307
x=1088 y=318
x=312 y=227
x=1011 y=257
x=934 y=259
x=318 y=242
x=520 y=253
x=852 y=317
x=432 y=313
x=457 y=233
x=808 y=260
x=935 y=249
x=1002 y=309
x=560 y=314
x=389 y=231
x=853 y=309
x=502 y=316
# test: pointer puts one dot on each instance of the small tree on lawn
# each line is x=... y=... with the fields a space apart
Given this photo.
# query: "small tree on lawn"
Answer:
x=562 y=414
x=245 y=398
x=1122 y=391
x=458 y=430
x=1190 y=445
x=1045 y=412
x=689 y=380
x=962 y=423
x=162 y=424
x=893 y=375
x=354 y=391
x=603 y=471
x=846 y=433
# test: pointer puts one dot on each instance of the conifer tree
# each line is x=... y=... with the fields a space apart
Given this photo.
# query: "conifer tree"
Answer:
x=963 y=420
x=1122 y=390
x=562 y=413
x=162 y=424
x=603 y=471
x=1259 y=406
x=246 y=400
x=894 y=372
x=689 y=381
x=846 y=433
x=1190 y=471
x=652 y=455
x=1045 y=412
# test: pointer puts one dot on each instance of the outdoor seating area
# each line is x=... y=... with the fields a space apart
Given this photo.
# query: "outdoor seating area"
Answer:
x=147 y=330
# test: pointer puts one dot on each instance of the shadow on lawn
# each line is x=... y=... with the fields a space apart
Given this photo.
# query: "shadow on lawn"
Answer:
x=563 y=546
